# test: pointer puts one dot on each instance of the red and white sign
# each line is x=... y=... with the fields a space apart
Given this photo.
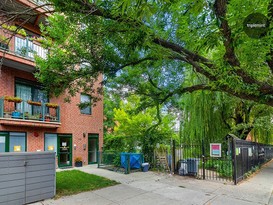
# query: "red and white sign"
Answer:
x=215 y=149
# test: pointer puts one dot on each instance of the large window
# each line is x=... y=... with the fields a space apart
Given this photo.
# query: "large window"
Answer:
x=86 y=104
x=28 y=90
x=12 y=142
x=51 y=142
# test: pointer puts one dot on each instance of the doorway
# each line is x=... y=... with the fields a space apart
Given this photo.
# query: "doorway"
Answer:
x=93 y=145
x=65 y=150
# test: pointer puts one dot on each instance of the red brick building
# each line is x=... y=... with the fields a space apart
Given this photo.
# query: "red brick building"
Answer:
x=29 y=120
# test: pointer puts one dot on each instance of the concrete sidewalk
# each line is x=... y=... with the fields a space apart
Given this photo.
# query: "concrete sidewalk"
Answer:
x=151 y=188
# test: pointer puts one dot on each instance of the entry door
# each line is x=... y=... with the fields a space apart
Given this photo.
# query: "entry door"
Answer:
x=3 y=142
x=93 y=144
x=65 y=150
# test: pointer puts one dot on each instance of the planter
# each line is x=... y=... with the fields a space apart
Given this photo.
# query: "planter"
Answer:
x=51 y=105
x=34 y=103
x=13 y=99
x=78 y=164
x=16 y=114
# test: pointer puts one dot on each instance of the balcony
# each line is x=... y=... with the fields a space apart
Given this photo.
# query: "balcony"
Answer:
x=20 y=51
x=17 y=112
x=24 y=47
x=28 y=48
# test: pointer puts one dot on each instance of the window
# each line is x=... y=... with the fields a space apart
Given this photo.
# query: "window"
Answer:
x=13 y=142
x=29 y=91
x=85 y=104
x=51 y=142
x=4 y=46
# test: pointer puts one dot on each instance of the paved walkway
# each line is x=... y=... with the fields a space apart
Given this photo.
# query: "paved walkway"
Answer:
x=151 y=188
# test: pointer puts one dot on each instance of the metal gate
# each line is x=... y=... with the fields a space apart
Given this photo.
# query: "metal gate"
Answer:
x=195 y=160
x=233 y=162
x=27 y=177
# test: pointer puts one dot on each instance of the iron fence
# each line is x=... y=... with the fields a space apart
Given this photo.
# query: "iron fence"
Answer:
x=247 y=156
x=195 y=160
x=238 y=159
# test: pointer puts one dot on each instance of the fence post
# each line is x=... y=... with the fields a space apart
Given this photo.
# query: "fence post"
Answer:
x=1 y=107
x=173 y=158
x=127 y=159
x=234 y=161
x=203 y=160
x=98 y=159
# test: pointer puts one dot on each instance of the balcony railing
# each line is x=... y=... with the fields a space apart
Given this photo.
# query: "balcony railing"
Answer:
x=29 y=110
x=27 y=48
x=41 y=2
x=24 y=47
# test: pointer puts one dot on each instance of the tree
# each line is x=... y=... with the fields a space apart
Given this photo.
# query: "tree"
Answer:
x=211 y=116
x=138 y=131
x=204 y=36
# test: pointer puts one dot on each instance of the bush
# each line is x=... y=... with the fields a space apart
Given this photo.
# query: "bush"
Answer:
x=221 y=166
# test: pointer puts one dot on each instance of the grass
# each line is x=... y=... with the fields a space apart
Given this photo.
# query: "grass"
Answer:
x=75 y=181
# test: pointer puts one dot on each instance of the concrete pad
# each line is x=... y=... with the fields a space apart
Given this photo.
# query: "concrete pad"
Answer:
x=148 y=199
x=85 y=198
x=149 y=185
x=224 y=200
x=119 y=192
x=185 y=195
x=271 y=199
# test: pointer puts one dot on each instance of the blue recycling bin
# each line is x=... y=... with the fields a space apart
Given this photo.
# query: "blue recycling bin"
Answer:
x=134 y=158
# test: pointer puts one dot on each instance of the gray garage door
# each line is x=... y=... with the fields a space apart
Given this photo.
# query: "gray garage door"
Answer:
x=27 y=177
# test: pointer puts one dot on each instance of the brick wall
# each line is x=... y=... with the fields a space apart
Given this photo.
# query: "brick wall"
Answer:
x=72 y=121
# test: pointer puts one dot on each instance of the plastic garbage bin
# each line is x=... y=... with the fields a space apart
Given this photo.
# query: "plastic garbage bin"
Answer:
x=183 y=168
x=145 y=167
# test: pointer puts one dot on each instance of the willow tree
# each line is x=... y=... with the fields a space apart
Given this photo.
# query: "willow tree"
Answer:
x=211 y=116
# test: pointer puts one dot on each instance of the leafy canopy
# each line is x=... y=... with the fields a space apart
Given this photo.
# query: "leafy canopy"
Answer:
x=205 y=36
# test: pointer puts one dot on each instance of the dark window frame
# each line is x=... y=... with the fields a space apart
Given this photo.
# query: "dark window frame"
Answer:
x=7 y=142
x=88 y=109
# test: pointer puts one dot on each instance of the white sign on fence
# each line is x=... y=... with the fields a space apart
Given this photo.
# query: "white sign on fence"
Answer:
x=215 y=149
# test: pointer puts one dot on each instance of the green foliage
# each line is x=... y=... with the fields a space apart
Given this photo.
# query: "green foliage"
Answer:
x=153 y=47
x=253 y=170
x=138 y=131
x=14 y=29
x=222 y=166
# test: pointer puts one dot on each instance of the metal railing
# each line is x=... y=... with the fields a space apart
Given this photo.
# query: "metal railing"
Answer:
x=27 y=48
x=26 y=111
x=24 y=47
x=248 y=156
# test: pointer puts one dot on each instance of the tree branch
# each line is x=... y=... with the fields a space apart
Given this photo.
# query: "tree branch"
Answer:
x=220 y=7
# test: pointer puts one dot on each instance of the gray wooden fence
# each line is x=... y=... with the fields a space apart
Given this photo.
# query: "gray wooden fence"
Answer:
x=27 y=177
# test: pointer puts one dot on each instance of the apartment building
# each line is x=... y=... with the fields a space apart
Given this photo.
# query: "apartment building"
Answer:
x=30 y=121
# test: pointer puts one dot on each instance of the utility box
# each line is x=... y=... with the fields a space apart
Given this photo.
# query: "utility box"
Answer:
x=27 y=177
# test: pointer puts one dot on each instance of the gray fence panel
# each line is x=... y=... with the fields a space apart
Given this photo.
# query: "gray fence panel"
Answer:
x=27 y=177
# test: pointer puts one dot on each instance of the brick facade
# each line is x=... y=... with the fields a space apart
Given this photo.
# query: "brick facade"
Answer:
x=71 y=120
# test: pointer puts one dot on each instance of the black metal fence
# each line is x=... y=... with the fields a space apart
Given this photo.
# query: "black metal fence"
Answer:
x=248 y=156
x=195 y=160
x=237 y=160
